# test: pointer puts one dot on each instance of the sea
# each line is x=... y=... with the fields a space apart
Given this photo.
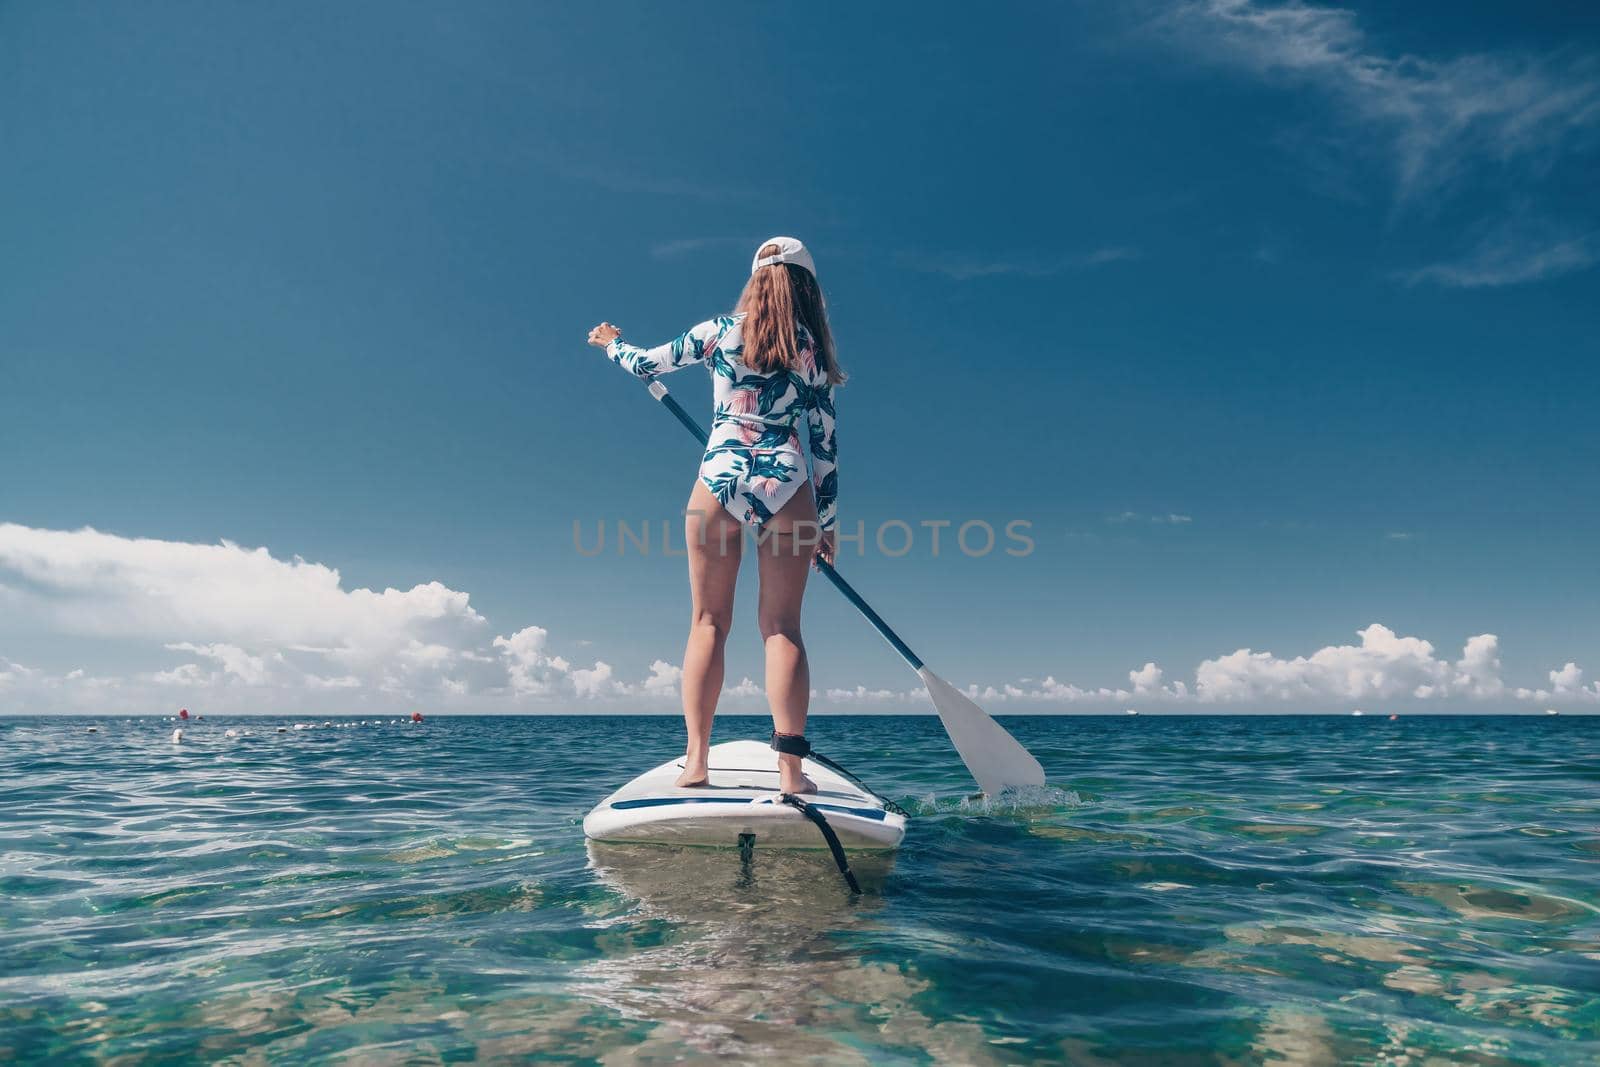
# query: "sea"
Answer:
x=1186 y=890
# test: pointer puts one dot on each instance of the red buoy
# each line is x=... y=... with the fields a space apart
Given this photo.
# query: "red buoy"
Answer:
x=183 y=713
x=416 y=716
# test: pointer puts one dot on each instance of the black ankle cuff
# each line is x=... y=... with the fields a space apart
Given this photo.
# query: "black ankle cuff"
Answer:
x=791 y=744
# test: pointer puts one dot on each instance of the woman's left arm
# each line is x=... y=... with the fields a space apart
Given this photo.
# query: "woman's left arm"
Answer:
x=691 y=347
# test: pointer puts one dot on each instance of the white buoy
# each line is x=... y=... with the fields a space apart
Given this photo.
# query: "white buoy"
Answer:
x=302 y=726
x=327 y=723
x=282 y=730
x=177 y=736
x=231 y=733
x=94 y=729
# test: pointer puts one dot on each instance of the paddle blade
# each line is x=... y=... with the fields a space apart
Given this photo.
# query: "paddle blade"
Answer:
x=996 y=759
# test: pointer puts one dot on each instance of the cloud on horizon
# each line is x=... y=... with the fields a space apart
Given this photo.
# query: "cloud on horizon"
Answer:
x=239 y=629
x=1383 y=668
x=248 y=622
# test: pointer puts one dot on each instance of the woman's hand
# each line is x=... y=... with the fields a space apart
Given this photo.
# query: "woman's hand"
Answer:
x=825 y=546
x=603 y=335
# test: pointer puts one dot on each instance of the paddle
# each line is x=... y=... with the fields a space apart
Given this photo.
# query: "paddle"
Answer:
x=995 y=758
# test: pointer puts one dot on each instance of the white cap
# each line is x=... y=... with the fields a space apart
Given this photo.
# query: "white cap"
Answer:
x=790 y=250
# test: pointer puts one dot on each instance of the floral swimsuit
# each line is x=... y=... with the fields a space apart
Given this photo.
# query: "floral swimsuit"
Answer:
x=753 y=462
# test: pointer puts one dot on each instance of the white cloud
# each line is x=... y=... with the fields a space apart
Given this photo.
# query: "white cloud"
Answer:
x=1511 y=252
x=862 y=695
x=1436 y=117
x=1566 y=685
x=687 y=246
x=13 y=673
x=1146 y=679
x=91 y=583
x=187 y=676
x=1477 y=673
x=595 y=682
x=1383 y=667
x=532 y=672
x=745 y=689
x=254 y=622
x=1171 y=518
x=235 y=661
x=253 y=628
x=964 y=268
x=664 y=678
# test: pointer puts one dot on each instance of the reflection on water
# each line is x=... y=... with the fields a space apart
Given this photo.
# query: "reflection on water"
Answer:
x=761 y=955
x=1188 y=891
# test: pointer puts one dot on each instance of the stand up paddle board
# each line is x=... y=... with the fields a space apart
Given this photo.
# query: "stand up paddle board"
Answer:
x=741 y=800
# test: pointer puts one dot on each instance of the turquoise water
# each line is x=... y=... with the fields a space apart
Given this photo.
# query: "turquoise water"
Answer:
x=1189 y=890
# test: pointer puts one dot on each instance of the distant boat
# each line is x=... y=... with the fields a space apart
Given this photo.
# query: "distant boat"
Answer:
x=1551 y=711
x=1358 y=712
x=1130 y=711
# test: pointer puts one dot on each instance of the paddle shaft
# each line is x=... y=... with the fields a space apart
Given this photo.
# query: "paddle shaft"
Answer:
x=659 y=391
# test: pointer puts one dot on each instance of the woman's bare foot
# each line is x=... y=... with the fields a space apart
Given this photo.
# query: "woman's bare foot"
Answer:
x=694 y=773
x=791 y=779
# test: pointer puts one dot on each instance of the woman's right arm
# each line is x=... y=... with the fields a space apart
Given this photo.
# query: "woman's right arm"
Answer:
x=689 y=348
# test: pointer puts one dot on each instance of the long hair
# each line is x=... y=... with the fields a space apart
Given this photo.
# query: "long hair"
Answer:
x=774 y=297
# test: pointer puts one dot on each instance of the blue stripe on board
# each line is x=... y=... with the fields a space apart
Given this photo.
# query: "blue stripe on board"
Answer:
x=656 y=802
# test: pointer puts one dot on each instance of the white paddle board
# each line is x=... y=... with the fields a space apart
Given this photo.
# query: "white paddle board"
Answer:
x=741 y=797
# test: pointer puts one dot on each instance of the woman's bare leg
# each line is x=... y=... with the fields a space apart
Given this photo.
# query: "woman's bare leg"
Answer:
x=714 y=543
x=785 y=552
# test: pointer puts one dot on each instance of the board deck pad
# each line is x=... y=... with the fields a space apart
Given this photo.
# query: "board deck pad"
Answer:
x=741 y=797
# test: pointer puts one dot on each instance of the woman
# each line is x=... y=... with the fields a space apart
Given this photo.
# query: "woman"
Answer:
x=772 y=364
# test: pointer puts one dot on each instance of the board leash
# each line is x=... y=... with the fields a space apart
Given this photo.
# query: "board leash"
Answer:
x=810 y=811
x=840 y=769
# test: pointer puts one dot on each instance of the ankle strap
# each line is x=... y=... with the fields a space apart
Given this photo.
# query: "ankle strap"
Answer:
x=791 y=744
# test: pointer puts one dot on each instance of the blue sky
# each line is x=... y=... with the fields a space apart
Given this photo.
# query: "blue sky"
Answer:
x=1275 y=322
